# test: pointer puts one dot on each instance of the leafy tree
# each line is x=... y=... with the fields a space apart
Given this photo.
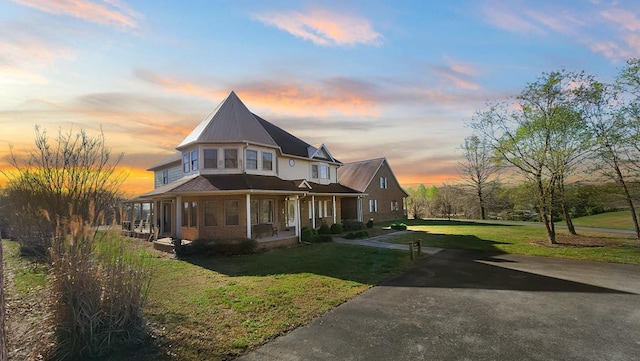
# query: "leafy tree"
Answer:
x=72 y=174
x=477 y=168
x=530 y=134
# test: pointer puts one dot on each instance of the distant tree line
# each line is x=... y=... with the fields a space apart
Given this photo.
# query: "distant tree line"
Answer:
x=567 y=145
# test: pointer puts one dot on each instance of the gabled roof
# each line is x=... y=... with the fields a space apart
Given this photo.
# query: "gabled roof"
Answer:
x=244 y=182
x=231 y=121
x=358 y=175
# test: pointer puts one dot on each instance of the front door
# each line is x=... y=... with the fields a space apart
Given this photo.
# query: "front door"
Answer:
x=167 y=209
x=291 y=213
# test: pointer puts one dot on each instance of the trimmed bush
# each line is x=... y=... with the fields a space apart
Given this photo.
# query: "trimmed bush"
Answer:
x=324 y=229
x=352 y=225
x=307 y=234
x=399 y=226
x=336 y=228
x=370 y=223
x=212 y=247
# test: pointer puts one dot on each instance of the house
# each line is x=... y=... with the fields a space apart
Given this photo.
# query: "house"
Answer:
x=237 y=175
x=383 y=197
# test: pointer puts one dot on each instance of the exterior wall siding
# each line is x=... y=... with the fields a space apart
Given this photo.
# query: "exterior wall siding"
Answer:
x=175 y=173
x=384 y=197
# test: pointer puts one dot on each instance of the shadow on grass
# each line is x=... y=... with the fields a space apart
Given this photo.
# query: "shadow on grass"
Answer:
x=360 y=264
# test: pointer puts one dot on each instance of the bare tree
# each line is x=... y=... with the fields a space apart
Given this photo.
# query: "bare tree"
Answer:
x=4 y=354
x=71 y=175
x=477 y=168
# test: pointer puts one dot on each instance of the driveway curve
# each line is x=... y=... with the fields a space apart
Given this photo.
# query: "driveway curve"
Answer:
x=468 y=305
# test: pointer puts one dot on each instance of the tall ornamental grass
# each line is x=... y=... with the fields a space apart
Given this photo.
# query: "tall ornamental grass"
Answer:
x=98 y=290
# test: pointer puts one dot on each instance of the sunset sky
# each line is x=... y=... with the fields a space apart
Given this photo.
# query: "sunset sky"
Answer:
x=367 y=78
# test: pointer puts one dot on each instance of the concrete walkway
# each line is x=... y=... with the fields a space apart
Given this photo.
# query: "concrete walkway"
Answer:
x=469 y=305
x=379 y=242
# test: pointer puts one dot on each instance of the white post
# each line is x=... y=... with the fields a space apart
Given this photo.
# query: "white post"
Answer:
x=248 y=218
x=313 y=211
x=298 y=220
x=360 y=210
x=334 y=209
x=179 y=217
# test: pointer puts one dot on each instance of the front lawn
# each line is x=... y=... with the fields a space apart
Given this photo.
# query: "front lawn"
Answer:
x=528 y=240
x=617 y=220
x=216 y=308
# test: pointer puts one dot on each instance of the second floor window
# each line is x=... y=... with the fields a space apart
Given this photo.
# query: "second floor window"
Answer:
x=320 y=171
x=194 y=160
x=383 y=182
x=165 y=176
x=252 y=159
x=210 y=158
x=267 y=161
x=231 y=158
x=186 y=162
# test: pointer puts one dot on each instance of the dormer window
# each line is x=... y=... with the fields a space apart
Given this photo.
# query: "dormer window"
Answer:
x=252 y=159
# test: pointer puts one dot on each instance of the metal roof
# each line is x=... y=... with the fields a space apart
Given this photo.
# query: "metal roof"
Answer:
x=231 y=121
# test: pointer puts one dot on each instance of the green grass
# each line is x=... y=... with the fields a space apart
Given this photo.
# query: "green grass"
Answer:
x=214 y=308
x=527 y=240
x=617 y=220
x=27 y=275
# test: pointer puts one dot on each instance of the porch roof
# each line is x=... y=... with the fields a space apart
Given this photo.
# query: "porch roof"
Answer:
x=244 y=182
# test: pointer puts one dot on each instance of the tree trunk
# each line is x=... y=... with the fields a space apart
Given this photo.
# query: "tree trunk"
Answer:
x=544 y=212
x=627 y=195
x=565 y=211
x=483 y=214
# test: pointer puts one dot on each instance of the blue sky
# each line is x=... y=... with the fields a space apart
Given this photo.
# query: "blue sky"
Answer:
x=367 y=78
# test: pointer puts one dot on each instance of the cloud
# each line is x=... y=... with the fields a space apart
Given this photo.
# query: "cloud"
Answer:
x=109 y=13
x=457 y=74
x=624 y=41
x=323 y=27
x=510 y=20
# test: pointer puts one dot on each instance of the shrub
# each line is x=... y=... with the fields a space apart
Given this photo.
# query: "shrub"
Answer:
x=213 y=247
x=98 y=289
x=307 y=234
x=336 y=228
x=324 y=229
x=322 y=238
x=352 y=225
x=399 y=226
x=370 y=223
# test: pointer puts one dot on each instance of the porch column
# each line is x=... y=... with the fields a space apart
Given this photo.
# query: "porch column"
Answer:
x=179 y=217
x=297 y=216
x=360 y=211
x=248 y=215
x=313 y=211
x=334 y=209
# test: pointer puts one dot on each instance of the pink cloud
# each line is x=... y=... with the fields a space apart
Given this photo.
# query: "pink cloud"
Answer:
x=111 y=13
x=323 y=27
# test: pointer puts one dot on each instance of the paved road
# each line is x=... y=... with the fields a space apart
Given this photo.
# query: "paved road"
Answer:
x=379 y=242
x=466 y=305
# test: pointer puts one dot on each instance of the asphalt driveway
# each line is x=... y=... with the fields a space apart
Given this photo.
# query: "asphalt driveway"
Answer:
x=466 y=305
